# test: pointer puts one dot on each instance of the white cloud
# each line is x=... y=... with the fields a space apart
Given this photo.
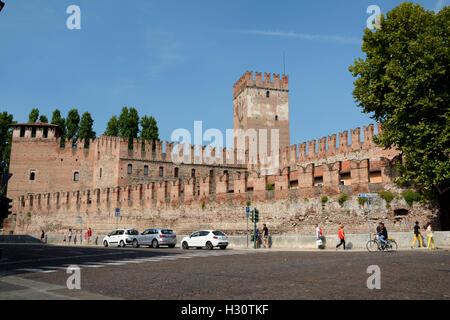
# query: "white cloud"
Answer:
x=302 y=36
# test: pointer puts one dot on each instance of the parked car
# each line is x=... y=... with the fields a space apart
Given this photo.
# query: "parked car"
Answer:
x=156 y=237
x=205 y=238
x=122 y=237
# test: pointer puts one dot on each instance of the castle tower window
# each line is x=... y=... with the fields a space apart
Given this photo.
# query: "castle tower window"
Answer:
x=130 y=169
x=145 y=170
x=32 y=175
x=276 y=118
x=193 y=173
x=45 y=133
x=22 y=132
x=75 y=176
x=267 y=94
x=33 y=132
x=100 y=173
x=175 y=172
x=211 y=173
x=161 y=171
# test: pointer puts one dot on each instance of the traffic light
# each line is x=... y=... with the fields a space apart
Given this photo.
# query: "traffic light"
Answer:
x=5 y=207
x=256 y=215
x=252 y=216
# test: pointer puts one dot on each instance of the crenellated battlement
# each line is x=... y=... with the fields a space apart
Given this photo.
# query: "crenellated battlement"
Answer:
x=270 y=81
x=333 y=145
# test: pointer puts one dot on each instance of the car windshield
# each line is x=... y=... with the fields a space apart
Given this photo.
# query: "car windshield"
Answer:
x=166 y=231
x=133 y=232
x=218 y=233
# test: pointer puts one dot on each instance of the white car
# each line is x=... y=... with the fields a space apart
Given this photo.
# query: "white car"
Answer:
x=122 y=237
x=205 y=238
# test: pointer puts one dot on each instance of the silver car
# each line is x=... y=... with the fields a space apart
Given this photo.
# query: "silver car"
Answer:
x=156 y=237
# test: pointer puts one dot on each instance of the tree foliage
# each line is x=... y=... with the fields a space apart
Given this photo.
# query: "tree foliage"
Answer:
x=5 y=140
x=43 y=119
x=112 y=128
x=128 y=124
x=86 y=131
x=72 y=124
x=34 y=115
x=149 y=130
x=403 y=82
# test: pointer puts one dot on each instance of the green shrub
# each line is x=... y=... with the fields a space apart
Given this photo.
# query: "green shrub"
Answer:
x=203 y=204
x=411 y=196
x=248 y=203
x=324 y=200
x=341 y=199
x=270 y=186
x=386 y=195
x=306 y=199
x=361 y=201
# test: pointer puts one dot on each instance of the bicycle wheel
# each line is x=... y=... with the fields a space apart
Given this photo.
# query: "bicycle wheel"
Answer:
x=391 y=246
x=372 y=246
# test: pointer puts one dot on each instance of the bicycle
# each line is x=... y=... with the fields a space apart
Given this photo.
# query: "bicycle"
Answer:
x=375 y=244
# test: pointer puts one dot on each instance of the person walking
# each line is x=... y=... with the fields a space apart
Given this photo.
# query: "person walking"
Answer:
x=89 y=235
x=430 y=236
x=265 y=234
x=341 y=237
x=319 y=237
x=69 y=236
x=42 y=236
x=417 y=235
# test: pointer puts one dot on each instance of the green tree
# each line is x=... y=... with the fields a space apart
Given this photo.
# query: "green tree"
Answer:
x=34 y=115
x=404 y=83
x=112 y=129
x=149 y=130
x=86 y=131
x=72 y=125
x=129 y=125
x=43 y=119
x=5 y=140
x=61 y=123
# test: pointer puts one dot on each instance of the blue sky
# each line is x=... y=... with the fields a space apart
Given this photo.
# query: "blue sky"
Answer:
x=178 y=60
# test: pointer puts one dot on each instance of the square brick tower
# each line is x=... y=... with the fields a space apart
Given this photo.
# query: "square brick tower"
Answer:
x=262 y=104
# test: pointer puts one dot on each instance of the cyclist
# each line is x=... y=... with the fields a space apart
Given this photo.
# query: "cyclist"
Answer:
x=382 y=234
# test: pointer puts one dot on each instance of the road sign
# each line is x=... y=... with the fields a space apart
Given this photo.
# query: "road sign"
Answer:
x=117 y=212
x=247 y=209
x=368 y=195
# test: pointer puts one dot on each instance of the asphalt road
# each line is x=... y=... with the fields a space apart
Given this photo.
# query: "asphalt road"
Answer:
x=39 y=272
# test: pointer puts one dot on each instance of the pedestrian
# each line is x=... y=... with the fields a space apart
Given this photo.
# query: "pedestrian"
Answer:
x=89 y=235
x=265 y=234
x=417 y=235
x=70 y=235
x=319 y=237
x=64 y=238
x=42 y=236
x=341 y=237
x=430 y=236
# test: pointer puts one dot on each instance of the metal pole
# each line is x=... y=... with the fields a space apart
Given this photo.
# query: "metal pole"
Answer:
x=368 y=216
x=246 y=214
x=255 y=235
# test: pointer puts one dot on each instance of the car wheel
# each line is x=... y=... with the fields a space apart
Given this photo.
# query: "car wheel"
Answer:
x=209 y=245
x=105 y=243
x=135 y=243
x=122 y=244
x=185 y=245
x=223 y=247
x=155 y=243
x=171 y=246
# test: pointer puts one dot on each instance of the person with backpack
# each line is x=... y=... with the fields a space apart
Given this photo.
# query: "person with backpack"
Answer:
x=341 y=237
x=417 y=235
